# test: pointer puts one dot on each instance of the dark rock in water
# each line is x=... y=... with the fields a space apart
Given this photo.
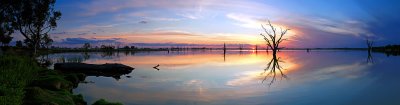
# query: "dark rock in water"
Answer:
x=108 y=70
x=108 y=67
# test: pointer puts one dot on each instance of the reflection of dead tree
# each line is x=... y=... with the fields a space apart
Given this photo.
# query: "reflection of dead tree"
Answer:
x=273 y=38
x=256 y=49
x=86 y=56
x=272 y=67
x=369 y=59
x=156 y=67
x=224 y=51
x=370 y=47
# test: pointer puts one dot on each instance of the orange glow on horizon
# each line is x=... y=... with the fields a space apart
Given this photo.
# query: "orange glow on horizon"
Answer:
x=196 y=38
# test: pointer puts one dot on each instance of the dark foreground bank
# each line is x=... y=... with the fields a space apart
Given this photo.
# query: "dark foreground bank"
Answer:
x=24 y=82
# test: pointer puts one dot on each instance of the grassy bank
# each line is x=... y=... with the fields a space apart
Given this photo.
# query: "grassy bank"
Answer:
x=24 y=82
x=16 y=72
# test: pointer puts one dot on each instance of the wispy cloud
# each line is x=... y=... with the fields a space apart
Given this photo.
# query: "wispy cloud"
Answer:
x=246 y=21
x=342 y=27
x=350 y=71
x=177 y=36
x=97 y=6
x=143 y=22
x=144 y=15
x=89 y=40
x=190 y=16
x=206 y=18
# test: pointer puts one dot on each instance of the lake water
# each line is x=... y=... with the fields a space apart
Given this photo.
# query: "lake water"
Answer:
x=239 y=78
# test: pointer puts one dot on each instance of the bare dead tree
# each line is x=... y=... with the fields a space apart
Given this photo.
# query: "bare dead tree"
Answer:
x=370 y=46
x=273 y=37
x=224 y=51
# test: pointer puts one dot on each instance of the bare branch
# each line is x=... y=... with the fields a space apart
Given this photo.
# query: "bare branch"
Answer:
x=273 y=39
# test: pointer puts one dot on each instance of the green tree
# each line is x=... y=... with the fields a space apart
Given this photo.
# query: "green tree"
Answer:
x=6 y=20
x=46 y=41
x=19 y=44
x=34 y=19
x=5 y=40
x=133 y=47
x=126 y=47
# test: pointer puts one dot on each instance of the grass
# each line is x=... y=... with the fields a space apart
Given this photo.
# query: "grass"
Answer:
x=22 y=81
x=40 y=96
x=16 y=72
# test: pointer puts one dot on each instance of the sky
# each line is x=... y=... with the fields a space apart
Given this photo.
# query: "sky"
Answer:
x=313 y=23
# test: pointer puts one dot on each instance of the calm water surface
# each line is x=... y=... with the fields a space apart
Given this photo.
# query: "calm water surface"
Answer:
x=207 y=77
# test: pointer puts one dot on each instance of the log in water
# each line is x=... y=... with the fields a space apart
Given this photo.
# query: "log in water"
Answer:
x=109 y=69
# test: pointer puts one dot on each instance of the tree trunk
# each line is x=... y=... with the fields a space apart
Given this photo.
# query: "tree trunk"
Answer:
x=274 y=51
x=35 y=48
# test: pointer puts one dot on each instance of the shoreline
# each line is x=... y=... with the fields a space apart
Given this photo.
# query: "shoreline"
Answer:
x=25 y=82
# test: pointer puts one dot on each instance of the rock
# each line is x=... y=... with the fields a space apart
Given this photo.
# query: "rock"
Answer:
x=78 y=99
x=75 y=78
x=39 y=96
x=53 y=83
x=81 y=76
x=72 y=78
x=54 y=88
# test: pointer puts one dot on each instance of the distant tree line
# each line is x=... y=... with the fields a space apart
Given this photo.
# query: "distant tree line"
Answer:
x=388 y=50
x=88 y=46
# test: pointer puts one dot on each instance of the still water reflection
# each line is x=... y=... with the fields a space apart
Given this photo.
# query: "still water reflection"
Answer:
x=251 y=78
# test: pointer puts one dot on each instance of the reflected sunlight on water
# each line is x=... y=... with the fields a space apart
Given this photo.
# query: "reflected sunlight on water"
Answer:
x=209 y=77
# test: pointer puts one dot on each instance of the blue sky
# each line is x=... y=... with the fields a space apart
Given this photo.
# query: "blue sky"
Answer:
x=313 y=23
